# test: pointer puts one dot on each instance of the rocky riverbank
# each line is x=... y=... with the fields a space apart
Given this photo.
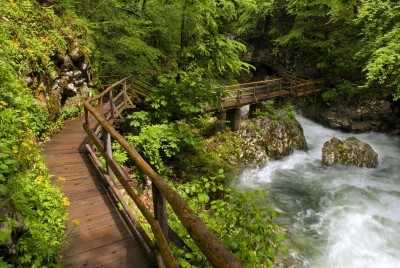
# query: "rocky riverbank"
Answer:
x=380 y=115
x=258 y=140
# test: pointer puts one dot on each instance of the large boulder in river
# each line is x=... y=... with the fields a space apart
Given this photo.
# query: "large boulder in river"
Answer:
x=351 y=151
x=277 y=139
x=255 y=142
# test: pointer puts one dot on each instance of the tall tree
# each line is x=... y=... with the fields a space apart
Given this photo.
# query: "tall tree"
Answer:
x=380 y=43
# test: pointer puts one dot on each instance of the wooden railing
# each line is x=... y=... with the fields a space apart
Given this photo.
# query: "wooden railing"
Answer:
x=283 y=72
x=100 y=114
x=255 y=92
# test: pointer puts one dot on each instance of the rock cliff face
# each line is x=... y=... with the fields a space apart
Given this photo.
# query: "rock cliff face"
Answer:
x=380 y=115
x=349 y=152
x=70 y=78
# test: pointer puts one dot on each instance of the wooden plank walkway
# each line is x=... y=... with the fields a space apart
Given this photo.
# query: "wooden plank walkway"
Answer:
x=102 y=238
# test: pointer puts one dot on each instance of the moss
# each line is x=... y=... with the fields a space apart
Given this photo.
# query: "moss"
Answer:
x=352 y=139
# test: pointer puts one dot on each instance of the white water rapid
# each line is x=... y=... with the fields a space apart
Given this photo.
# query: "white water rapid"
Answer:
x=336 y=216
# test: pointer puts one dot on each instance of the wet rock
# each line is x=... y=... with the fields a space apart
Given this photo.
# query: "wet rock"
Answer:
x=351 y=151
x=253 y=153
x=355 y=116
x=275 y=138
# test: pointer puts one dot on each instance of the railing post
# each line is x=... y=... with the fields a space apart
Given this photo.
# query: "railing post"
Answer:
x=87 y=122
x=108 y=149
x=111 y=100
x=101 y=106
x=160 y=210
x=124 y=92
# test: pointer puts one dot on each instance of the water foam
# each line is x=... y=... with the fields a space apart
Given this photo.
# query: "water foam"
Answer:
x=341 y=216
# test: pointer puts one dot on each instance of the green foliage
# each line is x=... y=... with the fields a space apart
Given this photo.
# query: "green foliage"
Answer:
x=4 y=264
x=285 y=114
x=139 y=119
x=119 y=153
x=380 y=29
x=244 y=225
x=343 y=91
x=42 y=207
x=26 y=182
x=268 y=110
x=32 y=36
x=343 y=39
x=161 y=142
x=73 y=108
x=179 y=46
x=183 y=94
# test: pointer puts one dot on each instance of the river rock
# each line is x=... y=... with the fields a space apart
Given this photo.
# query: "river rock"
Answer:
x=351 y=151
x=275 y=138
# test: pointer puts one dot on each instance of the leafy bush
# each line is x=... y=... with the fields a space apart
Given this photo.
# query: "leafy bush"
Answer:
x=25 y=182
x=244 y=225
x=161 y=142
x=285 y=114
x=183 y=95
x=343 y=91
x=32 y=35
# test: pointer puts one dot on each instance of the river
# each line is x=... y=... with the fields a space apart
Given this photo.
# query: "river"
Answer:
x=338 y=216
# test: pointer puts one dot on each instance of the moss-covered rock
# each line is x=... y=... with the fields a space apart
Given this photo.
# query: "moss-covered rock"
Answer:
x=256 y=141
x=351 y=151
x=276 y=138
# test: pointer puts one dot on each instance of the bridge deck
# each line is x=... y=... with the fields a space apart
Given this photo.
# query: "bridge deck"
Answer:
x=101 y=239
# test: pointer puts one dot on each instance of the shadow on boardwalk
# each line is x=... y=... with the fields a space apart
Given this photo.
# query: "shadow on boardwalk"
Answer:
x=101 y=239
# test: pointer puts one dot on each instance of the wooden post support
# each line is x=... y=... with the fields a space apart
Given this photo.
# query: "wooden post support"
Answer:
x=108 y=149
x=111 y=101
x=160 y=210
x=234 y=116
x=254 y=107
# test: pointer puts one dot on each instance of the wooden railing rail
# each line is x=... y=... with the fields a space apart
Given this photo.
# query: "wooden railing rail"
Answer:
x=98 y=126
x=254 y=84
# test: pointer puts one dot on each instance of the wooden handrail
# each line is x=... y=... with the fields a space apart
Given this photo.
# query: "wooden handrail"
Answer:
x=209 y=244
x=269 y=81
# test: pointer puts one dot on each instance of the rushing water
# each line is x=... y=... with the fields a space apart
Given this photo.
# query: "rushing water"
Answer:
x=336 y=216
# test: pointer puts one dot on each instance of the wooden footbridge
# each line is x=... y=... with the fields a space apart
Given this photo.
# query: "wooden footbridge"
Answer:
x=111 y=237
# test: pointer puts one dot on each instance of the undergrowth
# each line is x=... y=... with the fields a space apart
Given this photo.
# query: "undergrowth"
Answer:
x=32 y=211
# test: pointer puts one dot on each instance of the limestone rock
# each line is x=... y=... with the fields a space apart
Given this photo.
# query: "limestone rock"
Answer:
x=76 y=52
x=381 y=115
x=276 y=139
x=351 y=151
x=85 y=92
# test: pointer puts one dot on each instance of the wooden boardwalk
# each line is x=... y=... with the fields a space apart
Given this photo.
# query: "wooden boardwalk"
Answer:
x=102 y=238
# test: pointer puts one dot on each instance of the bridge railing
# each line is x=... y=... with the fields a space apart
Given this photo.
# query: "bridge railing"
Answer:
x=249 y=93
x=243 y=93
x=100 y=113
x=286 y=75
